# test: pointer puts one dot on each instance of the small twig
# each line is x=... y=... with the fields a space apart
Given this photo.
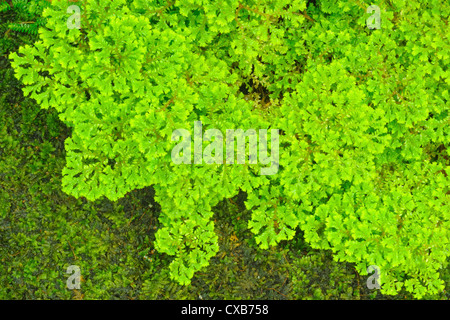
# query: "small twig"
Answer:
x=159 y=11
x=278 y=292
x=141 y=216
x=236 y=18
x=268 y=16
x=303 y=13
x=72 y=251
x=167 y=103
x=360 y=5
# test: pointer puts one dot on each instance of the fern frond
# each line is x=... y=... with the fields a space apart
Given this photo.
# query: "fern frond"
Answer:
x=19 y=3
x=4 y=6
x=29 y=28
x=28 y=10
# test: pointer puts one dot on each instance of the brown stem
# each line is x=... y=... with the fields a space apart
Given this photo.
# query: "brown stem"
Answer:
x=305 y=15
x=159 y=11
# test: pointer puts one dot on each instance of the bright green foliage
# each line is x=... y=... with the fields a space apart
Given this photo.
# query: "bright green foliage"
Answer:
x=364 y=115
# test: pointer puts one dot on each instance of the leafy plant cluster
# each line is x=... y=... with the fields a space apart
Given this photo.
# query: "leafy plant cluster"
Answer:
x=364 y=116
x=43 y=231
